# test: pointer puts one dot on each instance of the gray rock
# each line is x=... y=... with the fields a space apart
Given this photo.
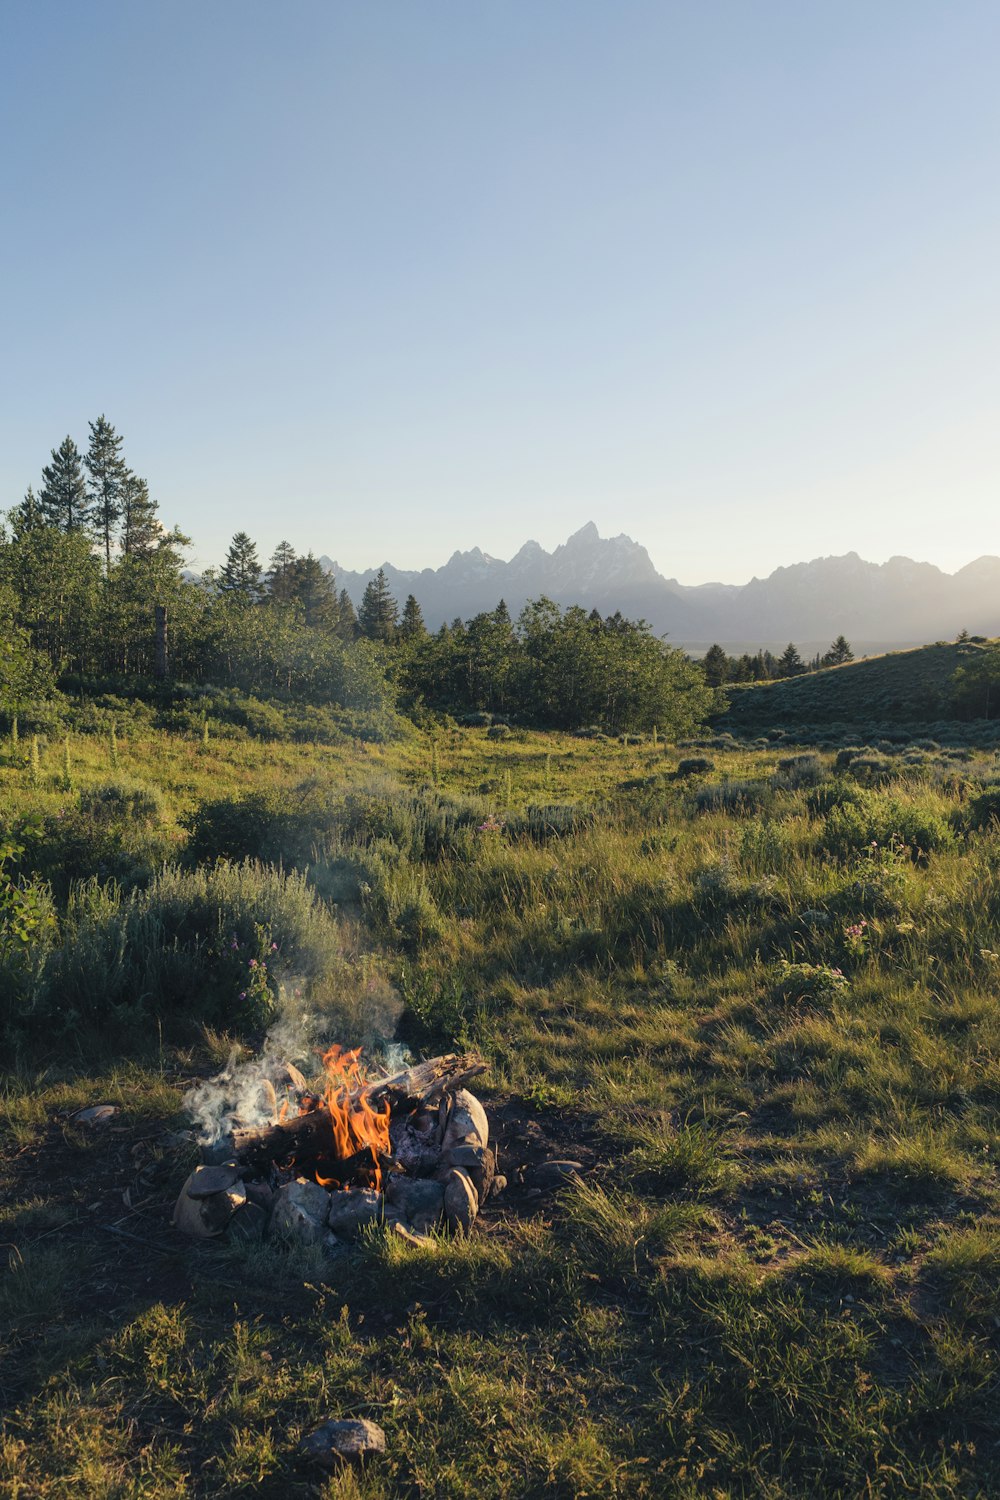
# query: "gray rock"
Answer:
x=337 y=1443
x=204 y=1181
x=300 y=1210
x=350 y=1211
x=479 y=1162
x=550 y=1174
x=206 y=1218
x=95 y=1114
x=420 y=1200
x=467 y=1122
x=461 y=1201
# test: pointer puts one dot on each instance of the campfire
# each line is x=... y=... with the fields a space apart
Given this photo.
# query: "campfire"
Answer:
x=410 y=1151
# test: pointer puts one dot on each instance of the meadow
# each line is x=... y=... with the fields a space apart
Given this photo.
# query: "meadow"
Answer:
x=752 y=987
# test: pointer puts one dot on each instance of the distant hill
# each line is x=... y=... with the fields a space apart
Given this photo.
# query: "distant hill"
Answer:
x=902 y=687
x=898 y=603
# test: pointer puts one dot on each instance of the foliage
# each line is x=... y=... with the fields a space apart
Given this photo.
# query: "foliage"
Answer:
x=876 y=819
x=208 y=946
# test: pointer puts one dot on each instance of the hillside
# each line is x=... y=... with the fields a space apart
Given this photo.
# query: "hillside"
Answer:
x=901 y=687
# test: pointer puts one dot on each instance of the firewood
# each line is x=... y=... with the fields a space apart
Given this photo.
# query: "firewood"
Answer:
x=307 y=1135
x=426 y=1081
x=310 y=1135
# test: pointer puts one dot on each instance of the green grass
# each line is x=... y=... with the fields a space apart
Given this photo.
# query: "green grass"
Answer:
x=779 y=1047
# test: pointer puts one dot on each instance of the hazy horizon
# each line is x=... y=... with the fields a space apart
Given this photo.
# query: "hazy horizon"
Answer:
x=402 y=281
x=396 y=562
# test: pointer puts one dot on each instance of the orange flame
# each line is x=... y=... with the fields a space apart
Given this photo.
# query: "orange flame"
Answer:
x=355 y=1124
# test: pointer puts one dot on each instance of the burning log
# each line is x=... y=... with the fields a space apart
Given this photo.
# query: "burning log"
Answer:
x=313 y=1134
x=308 y=1135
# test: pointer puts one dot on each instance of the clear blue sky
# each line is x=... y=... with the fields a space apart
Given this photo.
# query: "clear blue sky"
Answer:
x=390 y=279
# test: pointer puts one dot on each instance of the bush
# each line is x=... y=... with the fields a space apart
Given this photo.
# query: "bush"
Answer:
x=830 y=794
x=498 y=732
x=735 y=797
x=695 y=765
x=122 y=801
x=255 y=826
x=213 y=946
x=984 y=809
x=872 y=769
x=872 y=818
x=797 y=771
x=28 y=929
x=96 y=837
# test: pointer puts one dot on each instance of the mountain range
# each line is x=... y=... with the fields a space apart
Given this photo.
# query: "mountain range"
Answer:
x=877 y=606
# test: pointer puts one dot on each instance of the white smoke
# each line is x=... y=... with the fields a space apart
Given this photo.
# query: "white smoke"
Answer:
x=249 y=1093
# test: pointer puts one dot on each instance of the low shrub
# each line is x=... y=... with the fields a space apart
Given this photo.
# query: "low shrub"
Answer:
x=211 y=946
x=738 y=798
x=96 y=837
x=877 y=819
x=830 y=794
x=122 y=801
x=872 y=769
x=695 y=765
x=984 y=809
x=798 y=771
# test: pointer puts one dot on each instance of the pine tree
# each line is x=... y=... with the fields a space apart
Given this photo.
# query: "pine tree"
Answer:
x=28 y=515
x=715 y=664
x=838 y=653
x=348 y=628
x=239 y=576
x=379 y=613
x=141 y=529
x=790 y=663
x=106 y=469
x=315 y=591
x=280 y=578
x=63 y=496
x=411 y=626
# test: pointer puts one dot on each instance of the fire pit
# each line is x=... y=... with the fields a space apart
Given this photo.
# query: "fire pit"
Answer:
x=410 y=1151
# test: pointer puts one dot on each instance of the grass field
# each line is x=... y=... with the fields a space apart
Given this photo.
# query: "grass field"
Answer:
x=754 y=991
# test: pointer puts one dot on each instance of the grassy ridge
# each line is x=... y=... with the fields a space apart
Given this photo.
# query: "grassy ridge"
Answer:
x=901 y=688
x=760 y=994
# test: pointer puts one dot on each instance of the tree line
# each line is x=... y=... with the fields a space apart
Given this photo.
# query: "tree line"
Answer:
x=86 y=565
x=764 y=666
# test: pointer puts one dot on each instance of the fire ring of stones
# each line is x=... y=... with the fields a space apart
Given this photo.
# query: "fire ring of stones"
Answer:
x=410 y=1152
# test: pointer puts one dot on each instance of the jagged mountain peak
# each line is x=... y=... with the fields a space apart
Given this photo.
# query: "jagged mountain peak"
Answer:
x=900 y=602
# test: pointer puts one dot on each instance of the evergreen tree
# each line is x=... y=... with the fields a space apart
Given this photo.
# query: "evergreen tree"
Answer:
x=411 y=626
x=315 y=591
x=378 y=616
x=838 y=653
x=63 y=497
x=348 y=616
x=790 y=663
x=141 y=530
x=28 y=515
x=239 y=576
x=106 y=471
x=716 y=666
x=280 y=578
